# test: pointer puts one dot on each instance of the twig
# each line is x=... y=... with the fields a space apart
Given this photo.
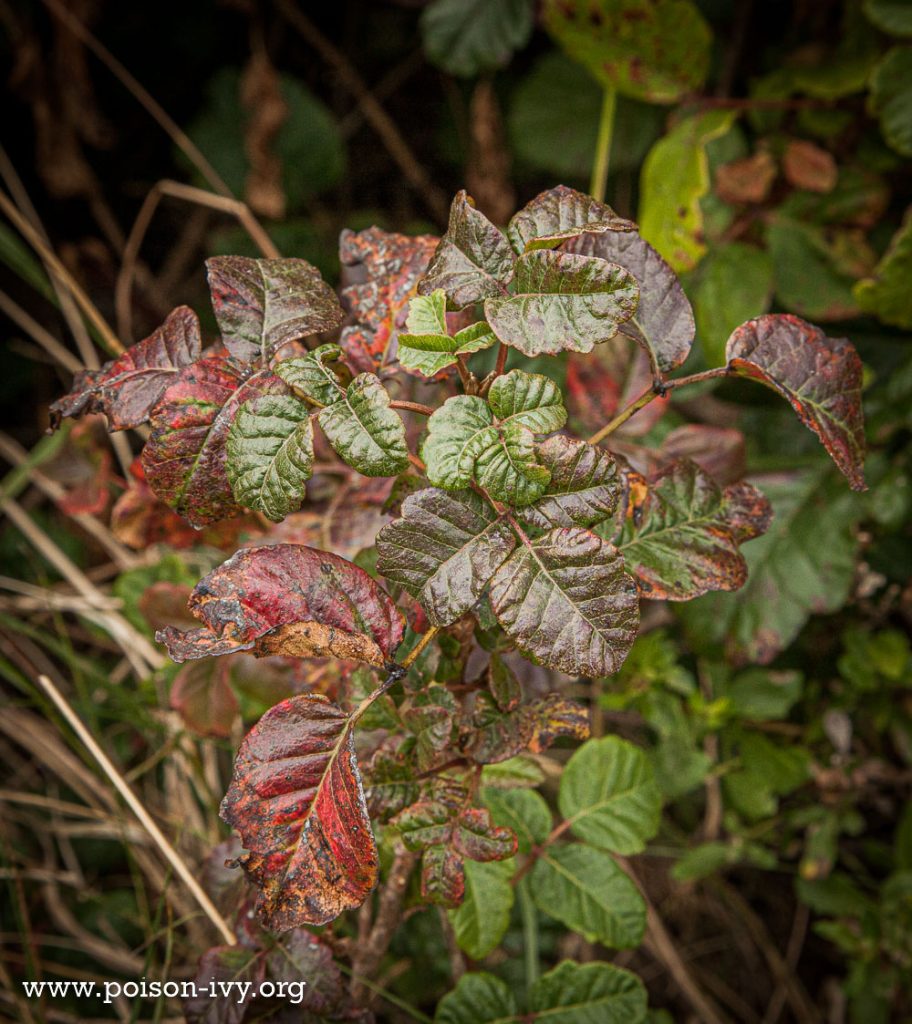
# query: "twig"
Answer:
x=422 y=410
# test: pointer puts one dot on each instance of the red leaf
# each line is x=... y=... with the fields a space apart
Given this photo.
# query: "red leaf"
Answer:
x=292 y=600
x=128 y=388
x=297 y=802
x=819 y=376
x=202 y=695
x=184 y=459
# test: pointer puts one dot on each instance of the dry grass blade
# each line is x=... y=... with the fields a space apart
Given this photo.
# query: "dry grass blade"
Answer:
x=38 y=334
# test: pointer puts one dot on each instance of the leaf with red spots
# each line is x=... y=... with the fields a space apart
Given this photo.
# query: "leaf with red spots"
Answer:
x=819 y=376
x=127 y=388
x=297 y=803
x=261 y=305
x=185 y=458
x=292 y=600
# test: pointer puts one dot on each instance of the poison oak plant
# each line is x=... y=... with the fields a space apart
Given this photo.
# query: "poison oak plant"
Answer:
x=510 y=535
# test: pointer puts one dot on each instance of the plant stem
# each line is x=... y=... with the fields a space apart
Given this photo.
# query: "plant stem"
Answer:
x=603 y=144
x=422 y=410
x=415 y=652
x=530 y=932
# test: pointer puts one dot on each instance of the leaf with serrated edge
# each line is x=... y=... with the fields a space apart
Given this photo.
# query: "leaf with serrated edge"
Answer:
x=444 y=550
x=609 y=795
x=364 y=430
x=584 y=489
x=297 y=803
x=529 y=399
x=292 y=600
x=593 y=993
x=566 y=600
x=270 y=454
x=559 y=214
x=263 y=304
x=482 y=919
x=311 y=377
x=563 y=302
x=457 y=432
x=507 y=467
x=819 y=376
x=473 y=259
x=478 y=998
x=522 y=810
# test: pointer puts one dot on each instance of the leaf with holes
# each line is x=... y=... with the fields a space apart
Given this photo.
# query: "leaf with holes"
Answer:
x=532 y=400
x=566 y=601
x=584 y=489
x=185 y=458
x=427 y=346
x=443 y=550
x=819 y=376
x=472 y=261
x=270 y=455
x=292 y=600
x=364 y=430
x=261 y=305
x=126 y=389
x=312 y=377
x=563 y=302
x=297 y=804
x=560 y=214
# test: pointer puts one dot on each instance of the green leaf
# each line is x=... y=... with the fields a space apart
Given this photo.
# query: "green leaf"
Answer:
x=682 y=533
x=585 y=485
x=886 y=293
x=443 y=550
x=675 y=177
x=593 y=993
x=364 y=431
x=558 y=214
x=478 y=998
x=760 y=695
x=483 y=917
x=427 y=314
x=270 y=455
x=566 y=600
x=531 y=400
x=893 y=16
x=473 y=259
x=890 y=98
x=457 y=433
x=514 y=773
x=563 y=302
x=655 y=50
x=734 y=283
x=310 y=377
x=609 y=795
x=466 y=38
x=427 y=347
x=508 y=469
x=586 y=890
x=522 y=810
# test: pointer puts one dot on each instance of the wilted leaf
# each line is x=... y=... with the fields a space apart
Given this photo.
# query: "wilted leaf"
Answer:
x=444 y=550
x=312 y=377
x=364 y=430
x=563 y=302
x=530 y=400
x=129 y=387
x=472 y=261
x=886 y=293
x=292 y=600
x=263 y=304
x=559 y=214
x=297 y=803
x=466 y=39
x=185 y=457
x=890 y=98
x=566 y=600
x=819 y=376
x=270 y=454
x=483 y=917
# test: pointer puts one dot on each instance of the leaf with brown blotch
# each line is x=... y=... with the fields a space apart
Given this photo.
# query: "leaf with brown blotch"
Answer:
x=128 y=388
x=261 y=305
x=819 y=376
x=682 y=532
x=185 y=458
x=494 y=735
x=297 y=803
x=567 y=602
x=559 y=214
x=291 y=600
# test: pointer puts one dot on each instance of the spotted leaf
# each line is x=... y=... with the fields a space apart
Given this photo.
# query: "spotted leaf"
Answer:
x=560 y=214
x=584 y=489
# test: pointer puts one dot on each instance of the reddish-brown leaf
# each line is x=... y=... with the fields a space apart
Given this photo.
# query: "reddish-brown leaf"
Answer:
x=202 y=695
x=809 y=167
x=297 y=803
x=748 y=180
x=128 y=388
x=819 y=376
x=717 y=450
x=292 y=600
x=494 y=735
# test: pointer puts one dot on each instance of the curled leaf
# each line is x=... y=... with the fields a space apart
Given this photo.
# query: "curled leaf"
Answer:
x=364 y=430
x=559 y=214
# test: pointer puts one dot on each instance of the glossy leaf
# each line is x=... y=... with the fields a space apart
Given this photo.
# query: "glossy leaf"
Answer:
x=457 y=433
x=466 y=39
x=563 y=302
x=261 y=305
x=531 y=400
x=185 y=458
x=292 y=600
x=126 y=389
x=312 y=377
x=890 y=98
x=584 y=489
x=819 y=376
x=270 y=455
x=886 y=293
x=297 y=803
x=560 y=214
x=508 y=469
x=472 y=261
x=663 y=323
x=681 y=535
x=566 y=600
x=364 y=430
x=443 y=550
x=427 y=346
x=609 y=795
x=483 y=917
